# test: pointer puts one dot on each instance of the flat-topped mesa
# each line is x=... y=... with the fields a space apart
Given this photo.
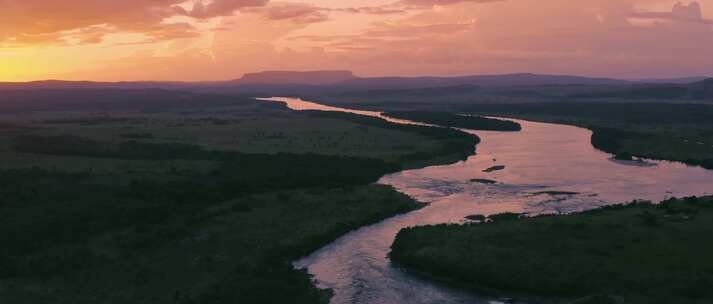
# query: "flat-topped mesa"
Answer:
x=296 y=77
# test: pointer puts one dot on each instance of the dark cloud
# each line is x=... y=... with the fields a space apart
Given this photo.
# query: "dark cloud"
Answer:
x=680 y=12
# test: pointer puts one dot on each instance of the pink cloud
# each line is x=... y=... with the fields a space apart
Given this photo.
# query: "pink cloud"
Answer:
x=443 y=2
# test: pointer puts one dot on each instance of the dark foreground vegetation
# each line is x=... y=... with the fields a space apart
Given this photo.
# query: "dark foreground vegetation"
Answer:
x=457 y=121
x=205 y=199
x=638 y=253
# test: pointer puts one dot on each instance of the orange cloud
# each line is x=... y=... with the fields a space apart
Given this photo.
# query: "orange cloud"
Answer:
x=218 y=8
x=221 y=39
x=50 y=21
x=443 y=2
x=296 y=12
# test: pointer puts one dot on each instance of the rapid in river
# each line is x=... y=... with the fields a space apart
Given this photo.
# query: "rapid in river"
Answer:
x=548 y=168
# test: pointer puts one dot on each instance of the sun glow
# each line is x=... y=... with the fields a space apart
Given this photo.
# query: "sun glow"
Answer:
x=40 y=63
x=18 y=66
x=168 y=40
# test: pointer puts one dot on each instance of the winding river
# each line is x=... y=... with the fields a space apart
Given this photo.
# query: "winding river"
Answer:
x=549 y=168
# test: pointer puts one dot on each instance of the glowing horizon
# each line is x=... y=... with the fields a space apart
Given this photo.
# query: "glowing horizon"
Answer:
x=224 y=39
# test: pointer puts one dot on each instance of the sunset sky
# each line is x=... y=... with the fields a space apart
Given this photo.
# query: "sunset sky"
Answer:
x=112 y=40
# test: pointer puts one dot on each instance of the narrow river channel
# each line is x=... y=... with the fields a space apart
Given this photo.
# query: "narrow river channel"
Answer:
x=549 y=168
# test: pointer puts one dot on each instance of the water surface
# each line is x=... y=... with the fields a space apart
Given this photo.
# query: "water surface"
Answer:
x=539 y=159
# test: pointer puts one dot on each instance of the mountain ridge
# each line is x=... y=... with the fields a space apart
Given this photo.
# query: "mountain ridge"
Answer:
x=346 y=80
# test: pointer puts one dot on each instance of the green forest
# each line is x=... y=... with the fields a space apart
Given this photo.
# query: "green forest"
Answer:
x=634 y=253
x=207 y=200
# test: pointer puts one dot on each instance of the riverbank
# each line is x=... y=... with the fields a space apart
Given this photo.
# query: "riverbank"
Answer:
x=660 y=131
x=547 y=168
x=457 y=121
x=455 y=145
x=681 y=132
x=638 y=253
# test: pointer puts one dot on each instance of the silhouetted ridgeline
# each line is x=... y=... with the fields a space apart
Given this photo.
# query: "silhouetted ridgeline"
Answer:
x=457 y=121
x=522 y=79
x=115 y=100
x=319 y=83
x=702 y=90
x=642 y=253
x=649 y=92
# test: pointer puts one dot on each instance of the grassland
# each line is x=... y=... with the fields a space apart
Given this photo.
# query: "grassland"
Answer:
x=638 y=253
x=168 y=197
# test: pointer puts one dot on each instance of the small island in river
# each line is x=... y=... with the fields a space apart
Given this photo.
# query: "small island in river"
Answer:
x=484 y=181
x=494 y=168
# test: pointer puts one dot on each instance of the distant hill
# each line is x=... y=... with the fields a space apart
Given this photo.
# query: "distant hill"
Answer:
x=262 y=80
x=681 y=80
x=111 y=100
x=477 y=88
x=701 y=90
x=290 y=77
x=479 y=80
x=334 y=80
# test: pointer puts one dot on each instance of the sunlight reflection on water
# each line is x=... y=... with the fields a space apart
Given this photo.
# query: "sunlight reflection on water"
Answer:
x=540 y=159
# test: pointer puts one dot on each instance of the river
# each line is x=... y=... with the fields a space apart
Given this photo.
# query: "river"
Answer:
x=549 y=168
